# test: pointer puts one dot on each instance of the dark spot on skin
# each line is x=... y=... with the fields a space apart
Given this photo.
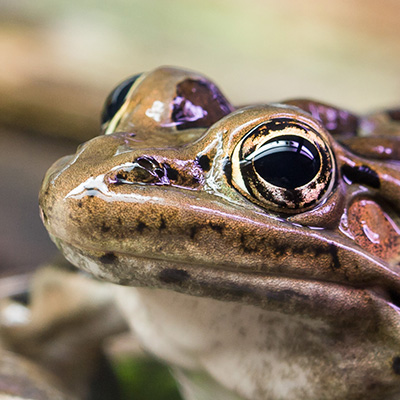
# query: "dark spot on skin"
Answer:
x=119 y=221
x=105 y=228
x=79 y=204
x=299 y=250
x=198 y=104
x=333 y=250
x=121 y=177
x=312 y=185
x=141 y=226
x=279 y=250
x=163 y=225
x=172 y=275
x=216 y=227
x=228 y=170
x=396 y=365
x=362 y=174
x=172 y=173
x=193 y=231
x=236 y=291
x=108 y=258
x=244 y=244
x=204 y=162
x=286 y=296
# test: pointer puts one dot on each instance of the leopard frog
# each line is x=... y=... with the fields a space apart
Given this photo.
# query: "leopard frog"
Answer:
x=255 y=249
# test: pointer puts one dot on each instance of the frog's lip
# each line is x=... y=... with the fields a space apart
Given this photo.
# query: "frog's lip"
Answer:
x=301 y=296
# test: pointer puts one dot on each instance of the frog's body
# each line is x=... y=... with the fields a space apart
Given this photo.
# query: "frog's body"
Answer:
x=261 y=284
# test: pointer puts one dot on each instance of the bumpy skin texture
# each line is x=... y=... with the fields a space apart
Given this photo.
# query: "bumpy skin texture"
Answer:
x=163 y=200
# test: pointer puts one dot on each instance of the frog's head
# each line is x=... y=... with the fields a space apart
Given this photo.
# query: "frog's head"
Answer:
x=279 y=205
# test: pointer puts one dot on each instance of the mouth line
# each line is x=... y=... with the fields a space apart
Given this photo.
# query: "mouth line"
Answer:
x=298 y=295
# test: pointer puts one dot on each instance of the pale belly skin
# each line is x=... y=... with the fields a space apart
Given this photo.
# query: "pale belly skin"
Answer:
x=244 y=352
x=253 y=279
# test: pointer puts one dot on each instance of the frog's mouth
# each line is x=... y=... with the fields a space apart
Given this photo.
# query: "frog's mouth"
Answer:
x=326 y=300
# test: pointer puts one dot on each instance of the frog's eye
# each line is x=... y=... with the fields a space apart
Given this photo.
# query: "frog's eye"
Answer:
x=284 y=165
x=116 y=99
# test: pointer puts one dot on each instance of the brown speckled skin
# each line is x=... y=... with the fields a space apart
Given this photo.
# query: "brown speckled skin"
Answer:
x=152 y=204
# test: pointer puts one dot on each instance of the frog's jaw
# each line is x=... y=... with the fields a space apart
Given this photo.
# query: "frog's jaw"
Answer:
x=318 y=310
x=315 y=299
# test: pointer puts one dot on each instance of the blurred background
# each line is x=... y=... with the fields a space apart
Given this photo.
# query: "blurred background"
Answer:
x=59 y=59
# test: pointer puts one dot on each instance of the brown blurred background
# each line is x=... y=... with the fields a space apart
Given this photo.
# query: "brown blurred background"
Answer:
x=60 y=58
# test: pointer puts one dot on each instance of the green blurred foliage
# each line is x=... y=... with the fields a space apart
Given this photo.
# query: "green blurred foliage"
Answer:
x=145 y=379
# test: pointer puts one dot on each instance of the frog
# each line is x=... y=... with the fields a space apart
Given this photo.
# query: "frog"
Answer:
x=253 y=249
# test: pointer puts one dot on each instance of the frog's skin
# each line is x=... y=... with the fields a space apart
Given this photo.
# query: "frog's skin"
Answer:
x=249 y=290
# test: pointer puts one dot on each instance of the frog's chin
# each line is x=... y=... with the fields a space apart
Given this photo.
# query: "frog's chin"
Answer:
x=328 y=301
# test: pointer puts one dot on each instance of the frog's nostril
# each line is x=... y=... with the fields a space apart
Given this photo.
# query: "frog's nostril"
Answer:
x=131 y=175
x=146 y=162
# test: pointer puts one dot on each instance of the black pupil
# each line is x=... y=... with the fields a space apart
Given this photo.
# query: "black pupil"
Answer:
x=287 y=162
x=116 y=98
